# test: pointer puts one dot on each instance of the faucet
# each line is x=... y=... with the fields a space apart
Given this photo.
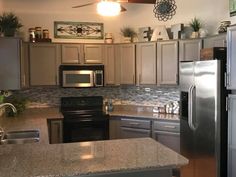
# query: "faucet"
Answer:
x=10 y=105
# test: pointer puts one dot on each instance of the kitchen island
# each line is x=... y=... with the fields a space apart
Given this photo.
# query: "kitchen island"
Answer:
x=116 y=158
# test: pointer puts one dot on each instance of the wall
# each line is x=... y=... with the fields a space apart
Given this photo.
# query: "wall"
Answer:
x=44 y=12
x=129 y=95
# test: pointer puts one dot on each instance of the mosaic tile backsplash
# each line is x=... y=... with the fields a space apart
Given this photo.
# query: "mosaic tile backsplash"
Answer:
x=122 y=95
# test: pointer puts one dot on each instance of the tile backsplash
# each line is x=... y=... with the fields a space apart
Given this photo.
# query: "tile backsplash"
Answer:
x=120 y=95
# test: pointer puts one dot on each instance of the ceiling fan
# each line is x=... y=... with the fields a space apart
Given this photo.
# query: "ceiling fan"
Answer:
x=121 y=8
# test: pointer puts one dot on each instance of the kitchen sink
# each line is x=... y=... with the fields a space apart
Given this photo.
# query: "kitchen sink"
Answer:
x=20 y=137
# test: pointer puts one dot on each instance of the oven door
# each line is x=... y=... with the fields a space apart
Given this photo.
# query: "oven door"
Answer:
x=79 y=130
x=81 y=78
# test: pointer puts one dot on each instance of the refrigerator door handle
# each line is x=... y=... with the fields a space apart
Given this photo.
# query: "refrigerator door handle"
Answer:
x=190 y=107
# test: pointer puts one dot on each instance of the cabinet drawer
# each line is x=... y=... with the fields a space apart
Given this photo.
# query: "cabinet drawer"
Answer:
x=167 y=126
x=134 y=123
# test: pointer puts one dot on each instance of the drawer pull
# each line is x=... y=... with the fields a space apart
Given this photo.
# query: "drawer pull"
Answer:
x=169 y=126
x=134 y=123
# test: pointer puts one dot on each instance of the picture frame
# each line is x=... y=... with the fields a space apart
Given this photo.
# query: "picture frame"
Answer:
x=232 y=7
x=78 y=30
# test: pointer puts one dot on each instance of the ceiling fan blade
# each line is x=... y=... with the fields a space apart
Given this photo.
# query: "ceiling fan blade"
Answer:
x=123 y=9
x=83 y=5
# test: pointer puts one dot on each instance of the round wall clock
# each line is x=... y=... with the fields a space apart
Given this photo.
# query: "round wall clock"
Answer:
x=164 y=9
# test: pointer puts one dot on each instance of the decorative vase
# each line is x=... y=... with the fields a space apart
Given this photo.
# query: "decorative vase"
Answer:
x=195 y=34
x=127 y=39
x=9 y=32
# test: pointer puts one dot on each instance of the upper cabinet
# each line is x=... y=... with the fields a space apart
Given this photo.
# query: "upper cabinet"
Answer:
x=44 y=61
x=189 y=50
x=215 y=41
x=72 y=53
x=93 y=54
x=146 y=63
x=231 y=58
x=167 y=62
x=12 y=64
x=127 y=64
x=109 y=56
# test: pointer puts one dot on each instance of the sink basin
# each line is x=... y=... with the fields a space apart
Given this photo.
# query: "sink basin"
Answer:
x=20 y=137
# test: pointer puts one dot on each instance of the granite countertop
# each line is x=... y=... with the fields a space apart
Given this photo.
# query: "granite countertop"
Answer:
x=76 y=159
x=58 y=160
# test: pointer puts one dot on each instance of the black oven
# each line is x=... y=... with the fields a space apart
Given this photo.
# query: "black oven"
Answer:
x=84 y=119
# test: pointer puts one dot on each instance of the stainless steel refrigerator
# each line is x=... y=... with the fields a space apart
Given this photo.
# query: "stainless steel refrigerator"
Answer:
x=203 y=118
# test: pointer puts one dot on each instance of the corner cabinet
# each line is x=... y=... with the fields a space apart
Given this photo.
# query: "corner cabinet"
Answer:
x=167 y=63
x=146 y=63
x=72 y=53
x=127 y=64
x=44 y=61
x=109 y=62
x=93 y=54
x=231 y=55
x=215 y=41
x=55 y=129
x=189 y=49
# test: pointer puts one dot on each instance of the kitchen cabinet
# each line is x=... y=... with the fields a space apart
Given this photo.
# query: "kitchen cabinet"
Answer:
x=167 y=62
x=189 y=49
x=231 y=55
x=114 y=128
x=93 y=53
x=167 y=133
x=127 y=64
x=231 y=135
x=55 y=127
x=72 y=53
x=146 y=63
x=109 y=56
x=135 y=128
x=44 y=61
x=13 y=64
x=215 y=41
x=117 y=64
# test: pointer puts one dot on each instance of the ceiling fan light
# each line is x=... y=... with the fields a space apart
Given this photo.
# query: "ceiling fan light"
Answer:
x=108 y=8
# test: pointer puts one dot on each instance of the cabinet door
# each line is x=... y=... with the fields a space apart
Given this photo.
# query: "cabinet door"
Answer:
x=127 y=59
x=146 y=63
x=10 y=63
x=44 y=61
x=117 y=64
x=72 y=53
x=109 y=63
x=93 y=54
x=126 y=132
x=56 y=131
x=114 y=128
x=189 y=50
x=215 y=41
x=231 y=55
x=167 y=62
x=232 y=136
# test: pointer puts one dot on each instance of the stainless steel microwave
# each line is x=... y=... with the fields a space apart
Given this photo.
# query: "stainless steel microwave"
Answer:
x=81 y=75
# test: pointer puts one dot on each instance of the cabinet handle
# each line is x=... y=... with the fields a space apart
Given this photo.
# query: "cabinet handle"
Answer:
x=170 y=126
x=134 y=123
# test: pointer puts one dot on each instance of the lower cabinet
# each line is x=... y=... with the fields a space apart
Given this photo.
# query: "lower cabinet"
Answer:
x=55 y=131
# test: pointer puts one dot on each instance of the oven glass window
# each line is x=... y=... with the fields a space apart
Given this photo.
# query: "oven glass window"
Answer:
x=77 y=78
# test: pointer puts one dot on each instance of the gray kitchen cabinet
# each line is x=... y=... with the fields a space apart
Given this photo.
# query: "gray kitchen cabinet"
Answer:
x=93 y=53
x=13 y=70
x=44 y=61
x=167 y=62
x=189 y=49
x=55 y=127
x=231 y=62
x=127 y=64
x=72 y=53
x=109 y=57
x=114 y=128
x=167 y=133
x=146 y=63
x=117 y=64
x=134 y=128
x=215 y=41
x=232 y=136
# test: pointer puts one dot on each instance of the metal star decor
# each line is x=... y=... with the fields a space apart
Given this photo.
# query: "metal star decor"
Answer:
x=164 y=9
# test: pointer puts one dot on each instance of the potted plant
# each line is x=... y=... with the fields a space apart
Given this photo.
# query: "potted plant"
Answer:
x=128 y=33
x=9 y=24
x=195 y=24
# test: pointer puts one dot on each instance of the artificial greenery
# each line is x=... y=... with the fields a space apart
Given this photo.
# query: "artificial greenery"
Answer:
x=128 y=32
x=9 y=23
x=18 y=101
x=195 y=24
